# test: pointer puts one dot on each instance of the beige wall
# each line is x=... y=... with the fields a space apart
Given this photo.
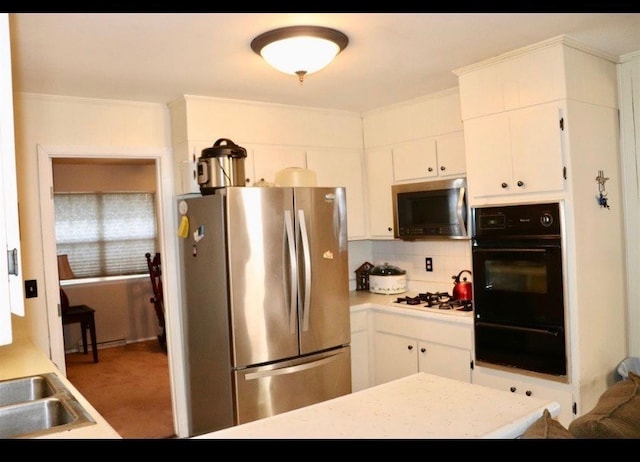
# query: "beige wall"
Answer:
x=59 y=123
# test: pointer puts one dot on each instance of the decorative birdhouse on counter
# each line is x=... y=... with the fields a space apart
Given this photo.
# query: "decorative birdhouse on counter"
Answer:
x=362 y=276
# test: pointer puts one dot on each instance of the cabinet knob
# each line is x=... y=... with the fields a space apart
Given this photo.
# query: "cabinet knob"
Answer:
x=389 y=229
x=430 y=169
x=512 y=389
x=520 y=184
x=410 y=347
x=504 y=185
x=423 y=350
x=443 y=168
x=528 y=393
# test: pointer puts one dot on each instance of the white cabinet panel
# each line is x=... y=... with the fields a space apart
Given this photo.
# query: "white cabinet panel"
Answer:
x=360 y=351
x=443 y=360
x=533 y=387
x=451 y=154
x=427 y=158
x=515 y=152
x=267 y=160
x=343 y=168
x=379 y=169
x=11 y=289
x=395 y=357
x=404 y=345
x=413 y=160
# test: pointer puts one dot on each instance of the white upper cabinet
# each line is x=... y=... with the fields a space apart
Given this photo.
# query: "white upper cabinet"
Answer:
x=451 y=154
x=275 y=137
x=418 y=140
x=515 y=152
x=509 y=82
x=11 y=290
x=343 y=168
x=268 y=160
x=380 y=178
x=427 y=158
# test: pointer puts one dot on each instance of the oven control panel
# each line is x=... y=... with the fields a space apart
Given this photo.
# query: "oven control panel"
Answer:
x=517 y=220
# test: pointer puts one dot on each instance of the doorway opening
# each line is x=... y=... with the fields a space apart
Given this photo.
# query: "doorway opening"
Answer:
x=160 y=161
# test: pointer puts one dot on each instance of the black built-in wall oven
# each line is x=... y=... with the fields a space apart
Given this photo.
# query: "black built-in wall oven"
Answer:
x=519 y=319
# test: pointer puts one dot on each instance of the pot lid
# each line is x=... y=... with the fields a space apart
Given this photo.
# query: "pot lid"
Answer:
x=386 y=270
x=224 y=147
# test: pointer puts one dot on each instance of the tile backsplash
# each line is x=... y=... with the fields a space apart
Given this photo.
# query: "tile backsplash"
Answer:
x=449 y=257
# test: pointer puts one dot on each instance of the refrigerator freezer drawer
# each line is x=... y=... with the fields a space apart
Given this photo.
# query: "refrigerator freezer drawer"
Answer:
x=287 y=385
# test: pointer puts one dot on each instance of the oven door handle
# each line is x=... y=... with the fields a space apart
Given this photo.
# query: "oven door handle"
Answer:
x=554 y=333
x=503 y=249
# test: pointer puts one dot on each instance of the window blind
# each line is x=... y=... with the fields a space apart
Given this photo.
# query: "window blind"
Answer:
x=106 y=234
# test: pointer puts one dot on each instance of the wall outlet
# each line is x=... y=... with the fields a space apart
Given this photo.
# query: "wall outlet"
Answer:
x=31 y=288
x=428 y=264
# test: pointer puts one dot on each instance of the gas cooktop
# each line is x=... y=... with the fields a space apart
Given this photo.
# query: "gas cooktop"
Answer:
x=437 y=301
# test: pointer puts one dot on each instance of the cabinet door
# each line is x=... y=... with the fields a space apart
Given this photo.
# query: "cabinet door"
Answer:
x=533 y=387
x=269 y=160
x=443 y=360
x=379 y=180
x=414 y=160
x=515 y=152
x=11 y=290
x=536 y=147
x=343 y=168
x=451 y=155
x=395 y=357
x=488 y=152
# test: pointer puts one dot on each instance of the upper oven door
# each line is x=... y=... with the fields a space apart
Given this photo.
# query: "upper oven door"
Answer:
x=518 y=282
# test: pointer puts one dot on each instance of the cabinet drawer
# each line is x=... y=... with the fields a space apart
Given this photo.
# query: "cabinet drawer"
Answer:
x=446 y=333
x=529 y=386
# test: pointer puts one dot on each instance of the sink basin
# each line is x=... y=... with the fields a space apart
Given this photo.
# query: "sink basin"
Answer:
x=38 y=405
x=24 y=389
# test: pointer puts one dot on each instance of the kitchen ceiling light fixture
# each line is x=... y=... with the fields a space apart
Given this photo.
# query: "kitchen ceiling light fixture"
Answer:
x=300 y=50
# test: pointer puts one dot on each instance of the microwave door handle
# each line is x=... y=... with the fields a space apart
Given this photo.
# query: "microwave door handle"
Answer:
x=306 y=252
x=463 y=228
x=293 y=271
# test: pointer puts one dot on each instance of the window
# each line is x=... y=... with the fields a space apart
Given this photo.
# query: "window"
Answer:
x=106 y=234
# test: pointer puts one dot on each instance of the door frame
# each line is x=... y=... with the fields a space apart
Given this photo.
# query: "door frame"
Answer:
x=168 y=247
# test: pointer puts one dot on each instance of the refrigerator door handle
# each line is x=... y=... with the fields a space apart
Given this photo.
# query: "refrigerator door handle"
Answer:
x=307 y=271
x=293 y=273
x=291 y=369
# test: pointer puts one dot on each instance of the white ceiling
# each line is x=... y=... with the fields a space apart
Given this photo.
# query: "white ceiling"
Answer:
x=391 y=57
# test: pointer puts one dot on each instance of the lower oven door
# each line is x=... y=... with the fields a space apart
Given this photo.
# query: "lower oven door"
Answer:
x=537 y=349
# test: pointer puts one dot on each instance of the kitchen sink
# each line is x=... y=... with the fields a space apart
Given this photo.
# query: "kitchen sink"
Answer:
x=24 y=389
x=38 y=405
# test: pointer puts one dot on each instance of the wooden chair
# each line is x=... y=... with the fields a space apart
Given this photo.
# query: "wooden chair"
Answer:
x=155 y=274
x=83 y=314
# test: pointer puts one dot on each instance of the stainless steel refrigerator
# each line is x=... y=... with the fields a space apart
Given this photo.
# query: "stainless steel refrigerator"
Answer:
x=265 y=302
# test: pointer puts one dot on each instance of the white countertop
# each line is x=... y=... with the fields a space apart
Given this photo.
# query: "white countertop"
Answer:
x=22 y=359
x=418 y=406
x=362 y=300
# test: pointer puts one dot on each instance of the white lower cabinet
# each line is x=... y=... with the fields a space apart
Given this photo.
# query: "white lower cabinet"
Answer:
x=404 y=345
x=359 y=350
x=529 y=386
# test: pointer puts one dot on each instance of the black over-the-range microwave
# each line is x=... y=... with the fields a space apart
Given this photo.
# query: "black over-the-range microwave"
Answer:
x=435 y=209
